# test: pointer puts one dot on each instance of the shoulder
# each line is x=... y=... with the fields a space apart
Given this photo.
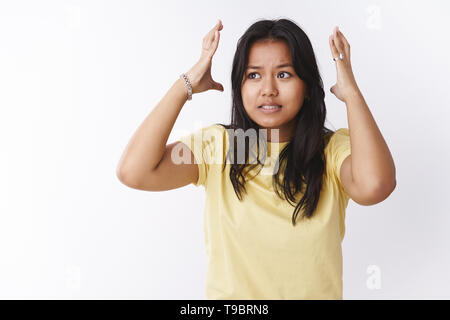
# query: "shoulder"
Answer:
x=337 y=149
x=210 y=141
x=341 y=133
x=214 y=134
x=336 y=140
x=212 y=130
x=207 y=134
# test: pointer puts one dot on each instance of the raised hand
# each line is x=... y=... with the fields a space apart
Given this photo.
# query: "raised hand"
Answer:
x=200 y=74
x=346 y=83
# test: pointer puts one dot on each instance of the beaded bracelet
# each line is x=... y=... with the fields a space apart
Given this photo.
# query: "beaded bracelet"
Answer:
x=188 y=85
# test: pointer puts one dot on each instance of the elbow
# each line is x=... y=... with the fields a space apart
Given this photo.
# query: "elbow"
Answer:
x=124 y=177
x=120 y=174
x=385 y=188
x=373 y=193
x=379 y=192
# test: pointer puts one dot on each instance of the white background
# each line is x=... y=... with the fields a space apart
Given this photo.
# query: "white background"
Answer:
x=78 y=77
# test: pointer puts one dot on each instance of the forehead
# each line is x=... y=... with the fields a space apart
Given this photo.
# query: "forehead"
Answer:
x=269 y=53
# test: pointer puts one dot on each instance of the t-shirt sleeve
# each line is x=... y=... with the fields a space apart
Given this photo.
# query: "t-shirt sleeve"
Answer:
x=338 y=149
x=202 y=143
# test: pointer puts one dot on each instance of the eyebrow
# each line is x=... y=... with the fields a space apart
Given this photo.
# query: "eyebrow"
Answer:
x=280 y=66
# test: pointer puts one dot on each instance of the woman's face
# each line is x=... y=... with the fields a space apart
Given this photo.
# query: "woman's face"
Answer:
x=270 y=84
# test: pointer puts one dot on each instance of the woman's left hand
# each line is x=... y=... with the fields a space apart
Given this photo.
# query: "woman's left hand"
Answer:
x=346 y=83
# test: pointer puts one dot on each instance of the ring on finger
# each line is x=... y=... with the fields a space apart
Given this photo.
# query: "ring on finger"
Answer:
x=341 y=57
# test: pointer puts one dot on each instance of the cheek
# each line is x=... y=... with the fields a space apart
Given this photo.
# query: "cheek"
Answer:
x=296 y=93
x=245 y=102
x=249 y=97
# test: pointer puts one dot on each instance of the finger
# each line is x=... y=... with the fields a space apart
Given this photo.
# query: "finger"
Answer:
x=345 y=43
x=338 y=41
x=217 y=26
x=216 y=42
x=209 y=38
x=344 y=40
x=220 y=25
x=334 y=50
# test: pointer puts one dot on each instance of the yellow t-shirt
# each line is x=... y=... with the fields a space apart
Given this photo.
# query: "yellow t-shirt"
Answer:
x=253 y=250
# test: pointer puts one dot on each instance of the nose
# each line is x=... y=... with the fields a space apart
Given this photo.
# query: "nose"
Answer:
x=269 y=87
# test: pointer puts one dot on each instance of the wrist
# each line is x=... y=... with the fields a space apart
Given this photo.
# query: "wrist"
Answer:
x=181 y=88
x=187 y=85
x=353 y=94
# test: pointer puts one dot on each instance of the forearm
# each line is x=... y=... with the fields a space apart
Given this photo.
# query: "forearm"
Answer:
x=371 y=161
x=147 y=146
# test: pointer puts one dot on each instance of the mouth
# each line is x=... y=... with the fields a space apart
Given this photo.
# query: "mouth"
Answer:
x=271 y=109
x=266 y=106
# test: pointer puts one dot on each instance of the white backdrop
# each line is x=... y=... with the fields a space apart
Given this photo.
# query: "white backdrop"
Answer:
x=78 y=77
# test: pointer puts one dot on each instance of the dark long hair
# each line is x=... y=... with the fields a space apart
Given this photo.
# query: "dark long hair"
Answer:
x=302 y=160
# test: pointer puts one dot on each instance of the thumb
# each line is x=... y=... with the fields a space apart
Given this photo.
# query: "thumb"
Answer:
x=218 y=86
x=332 y=89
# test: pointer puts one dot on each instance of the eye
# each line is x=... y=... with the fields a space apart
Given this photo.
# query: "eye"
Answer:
x=249 y=75
x=285 y=72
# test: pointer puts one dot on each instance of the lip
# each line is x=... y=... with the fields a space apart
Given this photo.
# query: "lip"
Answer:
x=271 y=110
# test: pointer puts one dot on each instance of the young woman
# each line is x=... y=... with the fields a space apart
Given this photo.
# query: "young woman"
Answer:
x=277 y=235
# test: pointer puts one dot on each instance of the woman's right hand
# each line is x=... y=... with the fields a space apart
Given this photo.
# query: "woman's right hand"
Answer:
x=200 y=74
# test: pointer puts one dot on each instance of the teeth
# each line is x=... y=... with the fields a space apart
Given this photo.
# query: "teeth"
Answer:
x=270 y=107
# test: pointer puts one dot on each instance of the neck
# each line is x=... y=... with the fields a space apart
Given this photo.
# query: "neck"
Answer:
x=279 y=135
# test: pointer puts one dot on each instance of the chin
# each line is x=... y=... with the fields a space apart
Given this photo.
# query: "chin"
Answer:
x=269 y=125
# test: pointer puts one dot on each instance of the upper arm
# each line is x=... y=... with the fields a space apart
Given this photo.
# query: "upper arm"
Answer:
x=169 y=174
x=360 y=194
